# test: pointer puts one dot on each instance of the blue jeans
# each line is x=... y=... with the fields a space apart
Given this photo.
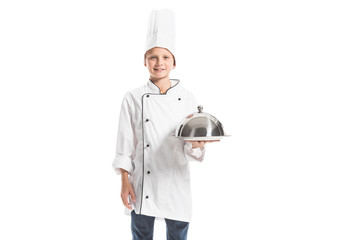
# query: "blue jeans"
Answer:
x=142 y=228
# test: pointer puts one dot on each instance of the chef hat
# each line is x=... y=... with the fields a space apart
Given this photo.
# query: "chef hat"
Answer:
x=161 y=30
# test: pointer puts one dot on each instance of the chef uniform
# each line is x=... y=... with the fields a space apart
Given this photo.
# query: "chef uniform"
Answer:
x=157 y=162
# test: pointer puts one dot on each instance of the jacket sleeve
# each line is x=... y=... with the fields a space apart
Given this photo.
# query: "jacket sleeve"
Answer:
x=125 y=147
x=191 y=154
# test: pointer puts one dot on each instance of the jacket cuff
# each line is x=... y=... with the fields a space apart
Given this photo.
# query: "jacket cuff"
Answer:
x=194 y=153
x=123 y=162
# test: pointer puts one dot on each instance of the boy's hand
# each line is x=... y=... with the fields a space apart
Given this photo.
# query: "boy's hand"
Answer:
x=200 y=144
x=126 y=190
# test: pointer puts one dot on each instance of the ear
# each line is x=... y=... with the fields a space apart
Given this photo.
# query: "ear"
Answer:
x=145 y=60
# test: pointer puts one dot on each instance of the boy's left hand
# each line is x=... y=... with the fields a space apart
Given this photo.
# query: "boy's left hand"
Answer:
x=200 y=144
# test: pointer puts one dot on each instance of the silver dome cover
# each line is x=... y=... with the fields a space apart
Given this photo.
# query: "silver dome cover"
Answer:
x=200 y=126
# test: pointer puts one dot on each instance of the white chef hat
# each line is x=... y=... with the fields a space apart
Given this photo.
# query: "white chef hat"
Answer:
x=161 y=30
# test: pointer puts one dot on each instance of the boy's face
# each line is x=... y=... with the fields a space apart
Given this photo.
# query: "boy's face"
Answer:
x=159 y=62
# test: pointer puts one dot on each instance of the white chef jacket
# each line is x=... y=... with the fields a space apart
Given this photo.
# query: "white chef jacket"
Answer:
x=157 y=162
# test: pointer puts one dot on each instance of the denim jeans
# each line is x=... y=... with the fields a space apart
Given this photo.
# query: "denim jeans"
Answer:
x=142 y=228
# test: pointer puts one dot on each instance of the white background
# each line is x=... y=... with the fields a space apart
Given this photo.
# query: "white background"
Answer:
x=282 y=77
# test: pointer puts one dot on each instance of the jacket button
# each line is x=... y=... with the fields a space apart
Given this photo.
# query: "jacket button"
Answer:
x=146 y=120
x=148 y=145
x=179 y=99
x=148 y=95
x=147 y=197
x=148 y=172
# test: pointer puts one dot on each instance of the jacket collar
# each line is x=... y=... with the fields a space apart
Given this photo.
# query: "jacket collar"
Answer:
x=152 y=88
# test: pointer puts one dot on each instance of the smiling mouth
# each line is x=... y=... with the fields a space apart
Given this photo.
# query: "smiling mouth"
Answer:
x=159 y=69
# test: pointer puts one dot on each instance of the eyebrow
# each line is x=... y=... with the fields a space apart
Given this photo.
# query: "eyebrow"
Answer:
x=156 y=55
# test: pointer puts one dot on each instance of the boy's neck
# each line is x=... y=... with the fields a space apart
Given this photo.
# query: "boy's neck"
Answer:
x=163 y=84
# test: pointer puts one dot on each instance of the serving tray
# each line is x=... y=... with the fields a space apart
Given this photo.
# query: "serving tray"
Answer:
x=213 y=138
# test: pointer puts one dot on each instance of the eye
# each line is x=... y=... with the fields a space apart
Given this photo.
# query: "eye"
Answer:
x=152 y=57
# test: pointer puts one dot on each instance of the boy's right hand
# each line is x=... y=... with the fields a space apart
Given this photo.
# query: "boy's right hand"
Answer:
x=126 y=190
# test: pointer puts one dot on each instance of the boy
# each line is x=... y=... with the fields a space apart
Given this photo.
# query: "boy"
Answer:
x=154 y=165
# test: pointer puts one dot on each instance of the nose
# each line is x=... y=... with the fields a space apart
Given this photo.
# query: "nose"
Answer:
x=160 y=61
